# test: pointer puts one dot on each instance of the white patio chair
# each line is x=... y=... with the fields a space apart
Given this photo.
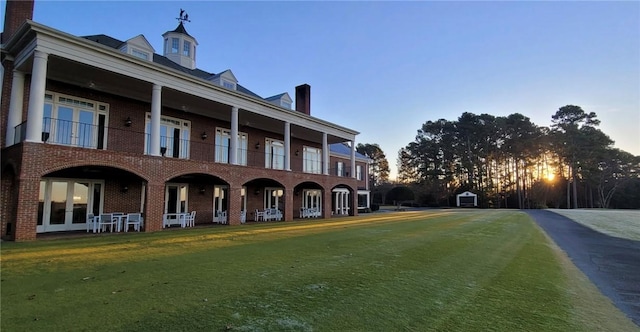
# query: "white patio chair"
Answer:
x=91 y=219
x=189 y=219
x=134 y=219
x=259 y=216
x=105 y=220
x=221 y=217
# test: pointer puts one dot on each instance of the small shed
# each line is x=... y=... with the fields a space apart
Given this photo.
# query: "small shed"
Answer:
x=467 y=199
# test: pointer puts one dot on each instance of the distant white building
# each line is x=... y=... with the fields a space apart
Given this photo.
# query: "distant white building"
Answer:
x=467 y=199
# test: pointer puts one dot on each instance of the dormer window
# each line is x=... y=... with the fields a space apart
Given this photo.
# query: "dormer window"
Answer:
x=140 y=54
x=282 y=100
x=228 y=85
x=139 y=47
x=226 y=79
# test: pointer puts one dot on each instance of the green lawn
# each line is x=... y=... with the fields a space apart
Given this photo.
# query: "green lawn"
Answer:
x=413 y=271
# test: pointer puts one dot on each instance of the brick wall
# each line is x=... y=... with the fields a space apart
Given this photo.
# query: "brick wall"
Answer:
x=157 y=171
x=17 y=11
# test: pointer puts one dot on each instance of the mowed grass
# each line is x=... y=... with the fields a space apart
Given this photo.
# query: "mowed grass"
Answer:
x=409 y=271
x=619 y=223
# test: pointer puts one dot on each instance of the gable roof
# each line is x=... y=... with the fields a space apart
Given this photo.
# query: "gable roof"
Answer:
x=141 y=41
x=228 y=74
x=284 y=96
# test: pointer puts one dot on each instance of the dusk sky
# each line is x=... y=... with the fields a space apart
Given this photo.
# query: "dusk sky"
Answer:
x=385 y=68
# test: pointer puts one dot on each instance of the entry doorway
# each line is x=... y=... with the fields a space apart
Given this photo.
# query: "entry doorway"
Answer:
x=63 y=204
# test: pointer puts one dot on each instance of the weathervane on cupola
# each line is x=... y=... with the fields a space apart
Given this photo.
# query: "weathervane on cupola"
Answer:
x=179 y=46
x=184 y=17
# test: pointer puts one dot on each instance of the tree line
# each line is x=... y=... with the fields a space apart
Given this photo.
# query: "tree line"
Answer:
x=510 y=162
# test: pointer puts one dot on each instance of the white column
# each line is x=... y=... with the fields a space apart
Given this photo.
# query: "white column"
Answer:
x=233 y=144
x=156 y=107
x=36 y=97
x=353 y=159
x=345 y=209
x=325 y=155
x=287 y=146
x=15 y=106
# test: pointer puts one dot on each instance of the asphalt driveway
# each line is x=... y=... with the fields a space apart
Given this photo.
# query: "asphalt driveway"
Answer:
x=611 y=263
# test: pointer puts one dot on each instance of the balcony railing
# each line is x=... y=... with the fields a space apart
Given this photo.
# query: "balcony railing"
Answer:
x=82 y=135
x=89 y=136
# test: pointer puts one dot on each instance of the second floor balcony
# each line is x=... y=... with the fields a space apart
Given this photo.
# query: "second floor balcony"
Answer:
x=201 y=147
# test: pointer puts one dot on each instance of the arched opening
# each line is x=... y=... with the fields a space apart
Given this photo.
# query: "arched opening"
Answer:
x=69 y=198
x=265 y=200
x=308 y=196
x=205 y=194
x=342 y=200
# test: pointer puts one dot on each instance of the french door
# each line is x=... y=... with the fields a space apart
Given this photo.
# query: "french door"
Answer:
x=273 y=198
x=75 y=122
x=174 y=137
x=220 y=194
x=175 y=200
x=312 y=199
x=64 y=203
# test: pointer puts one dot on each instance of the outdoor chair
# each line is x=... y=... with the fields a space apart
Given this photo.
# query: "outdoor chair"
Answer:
x=221 y=217
x=259 y=216
x=189 y=219
x=91 y=219
x=105 y=220
x=134 y=219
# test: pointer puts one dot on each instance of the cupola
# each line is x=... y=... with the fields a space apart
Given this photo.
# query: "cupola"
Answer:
x=179 y=46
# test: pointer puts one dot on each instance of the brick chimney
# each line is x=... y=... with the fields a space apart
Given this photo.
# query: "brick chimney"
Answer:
x=303 y=99
x=17 y=11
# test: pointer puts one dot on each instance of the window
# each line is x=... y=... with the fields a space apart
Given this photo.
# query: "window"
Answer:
x=139 y=54
x=312 y=160
x=186 y=48
x=273 y=198
x=166 y=45
x=286 y=105
x=228 y=85
x=223 y=144
x=274 y=154
x=340 y=168
x=359 y=172
x=73 y=121
x=174 y=137
x=175 y=45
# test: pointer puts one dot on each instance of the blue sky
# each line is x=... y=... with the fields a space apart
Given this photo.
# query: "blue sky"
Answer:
x=385 y=68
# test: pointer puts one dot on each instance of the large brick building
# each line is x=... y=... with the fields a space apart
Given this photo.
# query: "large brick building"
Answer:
x=93 y=124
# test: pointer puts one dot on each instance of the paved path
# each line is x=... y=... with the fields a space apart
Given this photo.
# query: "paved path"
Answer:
x=611 y=263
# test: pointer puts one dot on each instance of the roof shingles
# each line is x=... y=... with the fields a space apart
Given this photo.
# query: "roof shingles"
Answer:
x=164 y=61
